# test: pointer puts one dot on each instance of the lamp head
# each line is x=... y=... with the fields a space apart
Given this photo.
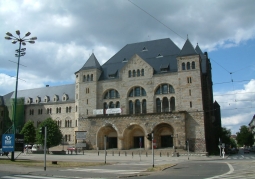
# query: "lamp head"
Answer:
x=27 y=34
x=14 y=41
x=9 y=34
x=8 y=38
x=18 y=32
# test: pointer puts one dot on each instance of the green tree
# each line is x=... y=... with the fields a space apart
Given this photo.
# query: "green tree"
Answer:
x=233 y=143
x=225 y=136
x=29 y=132
x=54 y=135
x=244 y=136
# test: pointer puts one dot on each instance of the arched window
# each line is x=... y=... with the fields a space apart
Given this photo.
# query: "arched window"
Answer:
x=137 y=91
x=130 y=107
x=144 y=108
x=172 y=104
x=142 y=72
x=84 y=78
x=76 y=108
x=91 y=77
x=188 y=66
x=134 y=73
x=158 y=105
x=193 y=66
x=66 y=109
x=111 y=105
x=111 y=94
x=138 y=72
x=70 y=109
x=164 y=89
x=137 y=107
x=117 y=104
x=88 y=78
x=129 y=74
x=165 y=103
x=183 y=66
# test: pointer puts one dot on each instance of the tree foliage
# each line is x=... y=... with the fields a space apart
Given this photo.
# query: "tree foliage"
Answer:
x=54 y=135
x=225 y=135
x=244 y=136
x=29 y=132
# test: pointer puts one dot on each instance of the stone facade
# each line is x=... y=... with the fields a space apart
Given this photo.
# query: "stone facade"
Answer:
x=168 y=95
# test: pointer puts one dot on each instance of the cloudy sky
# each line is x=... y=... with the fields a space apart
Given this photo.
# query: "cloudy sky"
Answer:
x=69 y=31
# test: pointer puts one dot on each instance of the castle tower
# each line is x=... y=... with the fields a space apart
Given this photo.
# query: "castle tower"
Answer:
x=86 y=85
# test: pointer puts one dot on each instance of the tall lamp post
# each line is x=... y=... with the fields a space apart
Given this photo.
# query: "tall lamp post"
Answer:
x=20 y=52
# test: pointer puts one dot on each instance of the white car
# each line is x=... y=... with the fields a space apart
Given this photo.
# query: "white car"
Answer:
x=37 y=147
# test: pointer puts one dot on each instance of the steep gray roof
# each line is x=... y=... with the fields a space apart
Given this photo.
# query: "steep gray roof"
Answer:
x=91 y=63
x=148 y=51
x=48 y=91
x=188 y=49
x=6 y=98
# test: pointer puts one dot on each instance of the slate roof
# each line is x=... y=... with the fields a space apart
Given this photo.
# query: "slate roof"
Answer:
x=188 y=49
x=47 y=91
x=91 y=63
x=203 y=57
x=148 y=51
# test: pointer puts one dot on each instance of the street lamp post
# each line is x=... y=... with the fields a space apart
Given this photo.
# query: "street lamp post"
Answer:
x=20 y=52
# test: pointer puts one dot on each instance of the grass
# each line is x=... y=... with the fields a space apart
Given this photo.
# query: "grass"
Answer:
x=60 y=164
x=159 y=167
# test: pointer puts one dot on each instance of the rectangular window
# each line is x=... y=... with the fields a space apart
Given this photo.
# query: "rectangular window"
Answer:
x=190 y=92
x=189 y=80
x=87 y=112
x=190 y=104
x=76 y=96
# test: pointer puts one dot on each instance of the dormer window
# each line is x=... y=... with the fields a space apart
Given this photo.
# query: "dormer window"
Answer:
x=55 y=98
x=112 y=76
x=159 y=56
x=46 y=99
x=38 y=100
x=124 y=60
x=64 y=97
x=29 y=100
x=144 y=49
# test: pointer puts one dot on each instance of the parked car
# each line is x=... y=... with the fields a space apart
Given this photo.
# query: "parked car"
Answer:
x=3 y=153
x=71 y=148
x=37 y=147
x=246 y=151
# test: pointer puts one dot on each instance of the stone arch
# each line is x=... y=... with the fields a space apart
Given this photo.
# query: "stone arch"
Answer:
x=134 y=136
x=112 y=136
x=164 y=135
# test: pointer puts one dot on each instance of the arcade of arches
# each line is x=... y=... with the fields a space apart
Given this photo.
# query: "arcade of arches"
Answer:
x=134 y=136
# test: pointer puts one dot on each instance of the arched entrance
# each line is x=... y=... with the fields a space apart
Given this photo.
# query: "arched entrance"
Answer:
x=163 y=135
x=111 y=134
x=133 y=137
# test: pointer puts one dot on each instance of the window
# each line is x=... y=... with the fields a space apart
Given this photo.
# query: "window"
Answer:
x=75 y=108
x=165 y=105
x=172 y=104
x=111 y=94
x=158 y=105
x=70 y=109
x=190 y=92
x=144 y=49
x=137 y=107
x=66 y=109
x=130 y=107
x=193 y=66
x=165 y=89
x=188 y=66
x=87 y=101
x=138 y=72
x=124 y=60
x=91 y=78
x=137 y=91
x=84 y=78
x=159 y=56
x=142 y=72
x=189 y=80
x=183 y=66
x=134 y=73
x=129 y=74
x=190 y=104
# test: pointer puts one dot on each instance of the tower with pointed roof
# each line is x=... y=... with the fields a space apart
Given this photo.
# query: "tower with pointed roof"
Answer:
x=86 y=87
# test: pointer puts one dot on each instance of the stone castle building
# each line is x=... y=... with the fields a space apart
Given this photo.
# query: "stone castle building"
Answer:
x=146 y=87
